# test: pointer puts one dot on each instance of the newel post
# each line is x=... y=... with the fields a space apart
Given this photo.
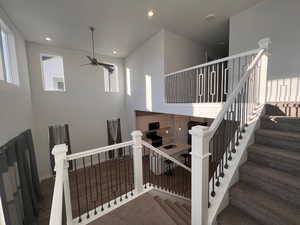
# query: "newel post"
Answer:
x=263 y=70
x=60 y=154
x=137 y=160
x=200 y=174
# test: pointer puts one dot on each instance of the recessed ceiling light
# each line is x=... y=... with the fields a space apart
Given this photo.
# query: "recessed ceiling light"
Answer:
x=210 y=17
x=48 y=39
x=115 y=52
x=150 y=13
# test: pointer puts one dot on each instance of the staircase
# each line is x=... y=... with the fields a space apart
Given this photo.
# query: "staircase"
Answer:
x=268 y=192
x=148 y=209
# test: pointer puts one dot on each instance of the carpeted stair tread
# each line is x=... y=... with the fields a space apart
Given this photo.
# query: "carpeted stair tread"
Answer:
x=172 y=214
x=279 y=139
x=282 y=153
x=264 y=207
x=277 y=133
x=142 y=210
x=281 y=184
x=183 y=209
x=187 y=206
x=277 y=158
x=178 y=211
x=234 y=216
x=282 y=123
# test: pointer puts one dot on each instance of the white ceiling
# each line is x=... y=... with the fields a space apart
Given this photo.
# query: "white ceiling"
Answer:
x=120 y=24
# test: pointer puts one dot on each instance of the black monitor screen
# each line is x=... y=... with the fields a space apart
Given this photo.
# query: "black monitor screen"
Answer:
x=154 y=126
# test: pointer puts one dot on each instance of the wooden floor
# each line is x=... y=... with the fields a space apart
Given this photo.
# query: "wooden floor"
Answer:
x=100 y=184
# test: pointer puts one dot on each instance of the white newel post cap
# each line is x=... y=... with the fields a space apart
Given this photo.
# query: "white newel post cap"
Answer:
x=136 y=133
x=199 y=131
x=60 y=150
x=264 y=43
x=200 y=138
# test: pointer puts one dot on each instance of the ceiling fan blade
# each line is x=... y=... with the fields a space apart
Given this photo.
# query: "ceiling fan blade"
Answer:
x=86 y=64
x=105 y=65
x=89 y=57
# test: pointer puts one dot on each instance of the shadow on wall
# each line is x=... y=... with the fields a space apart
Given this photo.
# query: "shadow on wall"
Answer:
x=284 y=90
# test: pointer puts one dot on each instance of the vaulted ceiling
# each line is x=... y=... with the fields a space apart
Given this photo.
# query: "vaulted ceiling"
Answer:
x=121 y=25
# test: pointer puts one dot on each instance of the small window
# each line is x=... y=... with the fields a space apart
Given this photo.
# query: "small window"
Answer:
x=111 y=80
x=53 y=73
x=8 y=56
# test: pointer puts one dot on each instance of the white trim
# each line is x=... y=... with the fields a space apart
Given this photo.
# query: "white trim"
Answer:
x=251 y=52
x=146 y=144
x=214 y=126
x=233 y=166
x=98 y=150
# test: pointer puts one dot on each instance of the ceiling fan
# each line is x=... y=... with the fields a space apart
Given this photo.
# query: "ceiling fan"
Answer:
x=93 y=60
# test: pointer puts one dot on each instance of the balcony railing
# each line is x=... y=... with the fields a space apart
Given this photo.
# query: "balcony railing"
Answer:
x=207 y=83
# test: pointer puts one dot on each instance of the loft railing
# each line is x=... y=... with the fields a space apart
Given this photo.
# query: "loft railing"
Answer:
x=214 y=147
x=209 y=82
x=106 y=177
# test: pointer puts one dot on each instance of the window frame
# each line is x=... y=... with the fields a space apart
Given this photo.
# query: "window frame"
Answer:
x=43 y=73
x=8 y=55
x=110 y=88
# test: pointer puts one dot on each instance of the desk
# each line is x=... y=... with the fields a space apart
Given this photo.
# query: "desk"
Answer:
x=157 y=165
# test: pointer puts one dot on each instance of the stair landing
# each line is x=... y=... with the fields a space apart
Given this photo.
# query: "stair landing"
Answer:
x=145 y=210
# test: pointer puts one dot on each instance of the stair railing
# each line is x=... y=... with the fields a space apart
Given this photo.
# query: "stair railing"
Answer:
x=210 y=82
x=164 y=172
x=103 y=178
x=213 y=148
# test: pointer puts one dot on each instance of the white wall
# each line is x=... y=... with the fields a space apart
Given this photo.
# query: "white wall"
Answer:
x=280 y=21
x=85 y=106
x=147 y=59
x=15 y=101
x=180 y=53
x=163 y=53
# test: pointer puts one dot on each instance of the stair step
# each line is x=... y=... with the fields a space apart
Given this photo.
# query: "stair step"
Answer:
x=276 y=158
x=283 y=109
x=281 y=184
x=279 y=139
x=178 y=211
x=264 y=207
x=282 y=123
x=187 y=207
x=234 y=216
x=173 y=215
x=184 y=210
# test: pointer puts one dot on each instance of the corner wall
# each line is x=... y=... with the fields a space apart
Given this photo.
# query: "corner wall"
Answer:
x=15 y=101
x=278 y=20
x=162 y=53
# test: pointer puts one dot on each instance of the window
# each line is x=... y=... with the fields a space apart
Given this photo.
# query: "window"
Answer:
x=53 y=73
x=8 y=56
x=128 y=81
x=148 y=80
x=111 y=80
